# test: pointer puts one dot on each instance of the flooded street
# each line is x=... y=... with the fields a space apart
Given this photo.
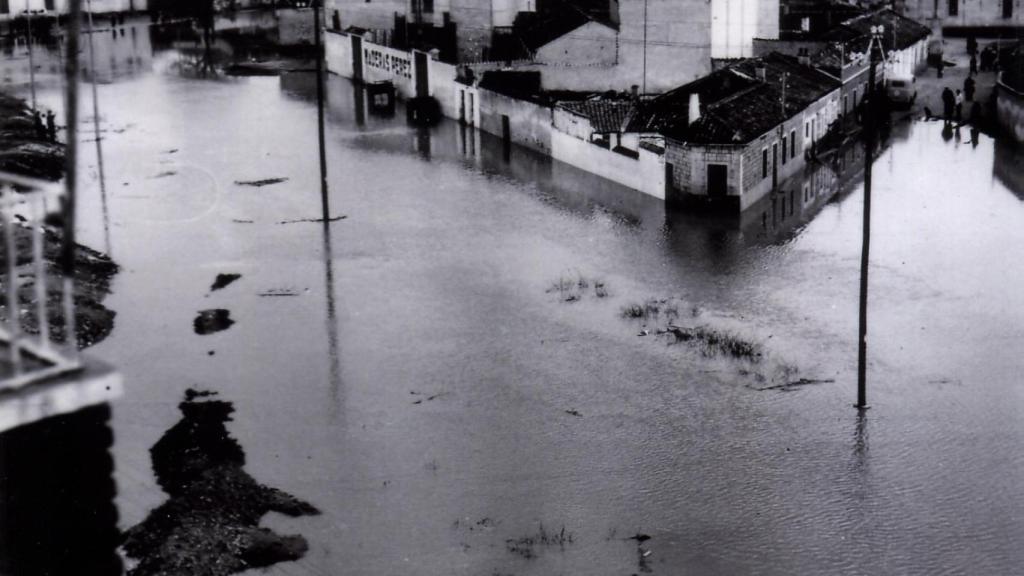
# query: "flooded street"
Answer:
x=410 y=372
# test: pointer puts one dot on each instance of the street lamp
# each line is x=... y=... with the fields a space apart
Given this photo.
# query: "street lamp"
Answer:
x=869 y=147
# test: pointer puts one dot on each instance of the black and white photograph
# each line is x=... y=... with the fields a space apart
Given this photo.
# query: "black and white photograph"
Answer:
x=511 y=287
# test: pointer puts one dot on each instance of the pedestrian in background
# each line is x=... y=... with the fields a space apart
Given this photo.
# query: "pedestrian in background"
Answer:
x=959 y=100
x=974 y=65
x=969 y=89
x=948 y=103
x=51 y=126
x=972 y=45
x=939 y=67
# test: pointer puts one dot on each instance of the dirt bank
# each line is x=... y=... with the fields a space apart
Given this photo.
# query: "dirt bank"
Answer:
x=24 y=151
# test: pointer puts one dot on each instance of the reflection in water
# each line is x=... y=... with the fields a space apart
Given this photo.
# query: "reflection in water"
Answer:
x=99 y=138
x=57 y=511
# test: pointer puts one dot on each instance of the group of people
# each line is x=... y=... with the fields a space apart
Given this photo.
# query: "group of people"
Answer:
x=49 y=130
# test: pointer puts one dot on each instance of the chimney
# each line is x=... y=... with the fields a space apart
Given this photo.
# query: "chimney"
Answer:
x=694 y=113
x=636 y=92
x=761 y=72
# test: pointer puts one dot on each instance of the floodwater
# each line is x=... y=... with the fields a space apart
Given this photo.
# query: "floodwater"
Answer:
x=409 y=372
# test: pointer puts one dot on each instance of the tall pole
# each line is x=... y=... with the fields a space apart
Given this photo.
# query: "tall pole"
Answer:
x=324 y=201
x=869 y=147
x=644 y=81
x=71 y=165
x=31 y=63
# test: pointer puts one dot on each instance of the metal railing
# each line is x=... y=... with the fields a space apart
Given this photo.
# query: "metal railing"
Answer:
x=28 y=350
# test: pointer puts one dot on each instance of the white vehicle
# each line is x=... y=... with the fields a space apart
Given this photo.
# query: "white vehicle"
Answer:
x=901 y=90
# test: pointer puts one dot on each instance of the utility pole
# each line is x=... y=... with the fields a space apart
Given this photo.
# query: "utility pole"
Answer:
x=71 y=176
x=644 y=82
x=324 y=201
x=31 y=64
x=869 y=148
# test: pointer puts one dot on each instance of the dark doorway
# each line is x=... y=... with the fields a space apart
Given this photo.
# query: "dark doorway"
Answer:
x=422 y=78
x=1007 y=8
x=357 y=58
x=718 y=180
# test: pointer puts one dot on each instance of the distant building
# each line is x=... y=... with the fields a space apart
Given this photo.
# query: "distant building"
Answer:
x=731 y=137
x=577 y=44
x=841 y=50
x=951 y=14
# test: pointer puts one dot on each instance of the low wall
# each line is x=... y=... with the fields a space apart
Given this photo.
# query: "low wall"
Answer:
x=645 y=173
x=529 y=123
x=1010 y=110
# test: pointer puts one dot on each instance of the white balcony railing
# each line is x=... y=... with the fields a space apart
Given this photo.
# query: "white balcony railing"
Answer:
x=28 y=350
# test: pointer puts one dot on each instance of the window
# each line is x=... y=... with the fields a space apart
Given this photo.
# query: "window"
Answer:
x=5 y=7
x=792 y=143
x=1007 y=8
x=428 y=6
x=954 y=7
x=784 y=141
x=764 y=163
x=48 y=4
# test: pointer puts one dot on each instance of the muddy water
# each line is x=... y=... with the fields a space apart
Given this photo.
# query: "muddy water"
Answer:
x=417 y=382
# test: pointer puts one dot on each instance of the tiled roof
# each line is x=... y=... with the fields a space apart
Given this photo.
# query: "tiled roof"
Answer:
x=605 y=115
x=900 y=32
x=736 y=106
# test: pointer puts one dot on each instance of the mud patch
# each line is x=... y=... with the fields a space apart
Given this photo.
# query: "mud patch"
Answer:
x=260 y=183
x=93 y=274
x=210 y=523
x=24 y=146
x=212 y=321
x=223 y=280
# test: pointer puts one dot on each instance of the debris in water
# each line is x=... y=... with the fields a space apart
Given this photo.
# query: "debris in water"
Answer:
x=260 y=183
x=314 y=220
x=789 y=386
x=223 y=280
x=171 y=151
x=210 y=522
x=241 y=221
x=639 y=537
x=211 y=321
x=525 y=546
x=166 y=174
x=278 y=292
x=574 y=413
x=427 y=398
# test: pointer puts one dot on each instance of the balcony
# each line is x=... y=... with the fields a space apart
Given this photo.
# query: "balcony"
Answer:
x=42 y=373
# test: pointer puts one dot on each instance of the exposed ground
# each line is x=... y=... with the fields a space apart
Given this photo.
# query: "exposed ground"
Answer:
x=25 y=151
x=210 y=523
x=23 y=148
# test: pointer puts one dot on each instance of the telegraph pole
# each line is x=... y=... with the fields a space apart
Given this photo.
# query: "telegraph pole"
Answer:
x=869 y=147
x=324 y=201
x=31 y=63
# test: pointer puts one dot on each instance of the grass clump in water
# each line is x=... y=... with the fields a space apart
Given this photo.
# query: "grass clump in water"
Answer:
x=526 y=545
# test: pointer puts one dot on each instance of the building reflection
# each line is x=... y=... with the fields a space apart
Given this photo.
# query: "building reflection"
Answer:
x=120 y=50
x=57 y=511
